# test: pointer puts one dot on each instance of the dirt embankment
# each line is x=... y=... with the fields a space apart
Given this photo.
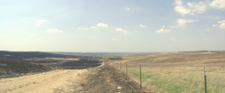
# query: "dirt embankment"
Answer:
x=106 y=79
x=57 y=81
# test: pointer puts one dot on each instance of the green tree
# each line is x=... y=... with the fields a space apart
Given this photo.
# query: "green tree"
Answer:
x=105 y=58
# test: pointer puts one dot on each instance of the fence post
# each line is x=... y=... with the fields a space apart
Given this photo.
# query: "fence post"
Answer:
x=140 y=80
x=126 y=68
x=120 y=65
x=205 y=80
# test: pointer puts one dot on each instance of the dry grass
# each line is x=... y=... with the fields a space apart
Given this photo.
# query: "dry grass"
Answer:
x=178 y=72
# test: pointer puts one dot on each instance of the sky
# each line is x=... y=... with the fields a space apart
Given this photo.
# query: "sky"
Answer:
x=112 y=25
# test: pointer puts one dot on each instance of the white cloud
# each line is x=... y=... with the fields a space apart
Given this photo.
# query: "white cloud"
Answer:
x=113 y=39
x=197 y=7
x=53 y=31
x=191 y=8
x=83 y=28
x=163 y=30
x=178 y=2
x=127 y=8
x=214 y=25
x=102 y=25
x=142 y=25
x=93 y=27
x=163 y=26
x=218 y=4
x=182 y=10
x=122 y=30
x=182 y=22
x=223 y=21
x=40 y=21
x=222 y=26
x=208 y=29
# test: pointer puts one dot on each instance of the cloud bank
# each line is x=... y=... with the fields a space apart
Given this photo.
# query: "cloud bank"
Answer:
x=191 y=8
x=122 y=30
x=142 y=25
x=182 y=22
x=219 y=4
x=40 y=21
x=102 y=25
x=222 y=24
x=163 y=30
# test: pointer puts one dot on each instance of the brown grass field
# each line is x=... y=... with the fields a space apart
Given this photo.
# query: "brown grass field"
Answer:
x=177 y=72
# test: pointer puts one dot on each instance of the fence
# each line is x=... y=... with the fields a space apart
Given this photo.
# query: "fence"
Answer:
x=173 y=79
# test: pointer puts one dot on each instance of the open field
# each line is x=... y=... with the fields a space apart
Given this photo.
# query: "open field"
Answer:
x=177 y=72
x=13 y=64
x=60 y=74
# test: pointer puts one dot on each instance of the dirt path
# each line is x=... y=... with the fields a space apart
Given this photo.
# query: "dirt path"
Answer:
x=49 y=82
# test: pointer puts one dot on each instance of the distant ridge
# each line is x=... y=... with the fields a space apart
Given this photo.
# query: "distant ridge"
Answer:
x=19 y=54
x=98 y=53
x=202 y=51
x=4 y=51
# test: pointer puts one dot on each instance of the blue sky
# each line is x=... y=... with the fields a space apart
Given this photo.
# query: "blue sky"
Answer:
x=112 y=25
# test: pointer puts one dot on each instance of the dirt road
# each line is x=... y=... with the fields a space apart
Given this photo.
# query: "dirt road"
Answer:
x=49 y=82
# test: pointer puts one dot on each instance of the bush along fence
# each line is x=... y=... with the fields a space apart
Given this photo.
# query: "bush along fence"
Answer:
x=175 y=79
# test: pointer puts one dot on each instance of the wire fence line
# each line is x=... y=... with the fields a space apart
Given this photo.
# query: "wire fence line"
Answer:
x=212 y=84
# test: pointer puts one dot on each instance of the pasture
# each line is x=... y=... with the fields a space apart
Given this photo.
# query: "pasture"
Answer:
x=177 y=72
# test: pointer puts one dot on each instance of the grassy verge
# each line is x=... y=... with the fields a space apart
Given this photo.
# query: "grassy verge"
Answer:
x=155 y=82
x=182 y=83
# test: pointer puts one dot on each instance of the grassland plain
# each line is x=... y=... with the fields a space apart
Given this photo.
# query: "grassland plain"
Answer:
x=177 y=72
